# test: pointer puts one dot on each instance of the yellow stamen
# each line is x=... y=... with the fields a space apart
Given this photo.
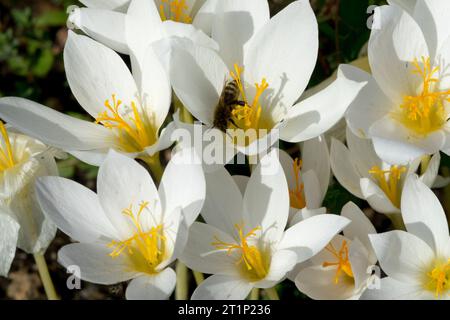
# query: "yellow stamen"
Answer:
x=388 y=180
x=6 y=152
x=296 y=197
x=145 y=248
x=135 y=134
x=256 y=266
x=424 y=113
x=439 y=279
x=177 y=11
x=249 y=115
x=342 y=264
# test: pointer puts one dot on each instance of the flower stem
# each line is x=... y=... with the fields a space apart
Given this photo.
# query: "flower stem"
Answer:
x=198 y=276
x=155 y=166
x=425 y=161
x=45 y=277
x=272 y=293
x=181 y=291
x=397 y=221
x=254 y=294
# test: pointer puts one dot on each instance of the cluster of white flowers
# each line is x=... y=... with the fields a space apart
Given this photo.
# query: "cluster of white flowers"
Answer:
x=236 y=70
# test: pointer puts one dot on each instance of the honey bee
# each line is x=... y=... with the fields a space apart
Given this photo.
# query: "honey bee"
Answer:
x=227 y=102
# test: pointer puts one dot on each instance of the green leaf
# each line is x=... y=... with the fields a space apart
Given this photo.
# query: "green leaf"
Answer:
x=44 y=63
x=51 y=19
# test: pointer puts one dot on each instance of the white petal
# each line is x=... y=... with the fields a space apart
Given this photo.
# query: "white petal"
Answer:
x=205 y=16
x=197 y=75
x=395 y=144
x=266 y=199
x=431 y=173
x=391 y=289
x=277 y=52
x=241 y=182
x=74 y=209
x=423 y=214
x=344 y=169
x=156 y=93
x=319 y=113
x=94 y=158
x=105 y=4
x=370 y=105
x=220 y=287
x=235 y=22
x=155 y=287
x=95 y=264
x=431 y=15
x=402 y=255
x=315 y=156
x=394 y=43
x=122 y=183
x=105 y=26
x=8 y=241
x=202 y=256
x=189 y=32
x=360 y=226
x=223 y=203
x=95 y=73
x=407 y=5
x=318 y=283
x=362 y=153
x=54 y=128
x=376 y=197
x=282 y=262
x=184 y=167
x=313 y=193
x=310 y=236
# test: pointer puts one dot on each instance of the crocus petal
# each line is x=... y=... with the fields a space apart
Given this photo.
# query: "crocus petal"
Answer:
x=95 y=264
x=396 y=41
x=54 y=128
x=197 y=75
x=83 y=220
x=277 y=52
x=93 y=158
x=205 y=16
x=312 y=191
x=314 y=116
x=155 y=287
x=202 y=256
x=282 y=262
x=116 y=193
x=8 y=242
x=431 y=17
x=105 y=4
x=318 y=283
x=223 y=202
x=360 y=226
x=402 y=255
x=219 y=287
x=370 y=105
x=95 y=73
x=407 y=5
x=184 y=166
x=266 y=199
x=362 y=153
x=391 y=289
x=241 y=182
x=395 y=144
x=344 y=169
x=376 y=197
x=431 y=173
x=105 y=26
x=189 y=32
x=423 y=214
x=315 y=156
x=235 y=22
x=310 y=236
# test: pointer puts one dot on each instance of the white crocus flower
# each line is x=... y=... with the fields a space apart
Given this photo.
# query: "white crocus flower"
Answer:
x=140 y=22
x=405 y=106
x=271 y=60
x=359 y=170
x=343 y=270
x=117 y=5
x=243 y=242
x=22 y=222
x=129 y=230
x=417 y=262
x=308 y=178
x=128 y=112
